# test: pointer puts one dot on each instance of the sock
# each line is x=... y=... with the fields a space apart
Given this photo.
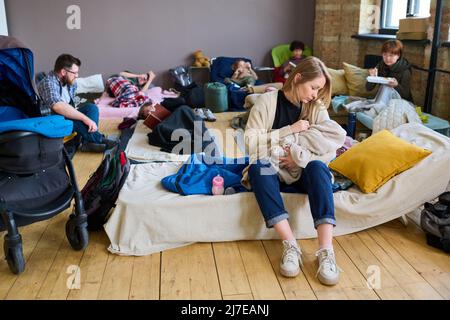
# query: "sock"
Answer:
x=329 y=247
x=293 y=242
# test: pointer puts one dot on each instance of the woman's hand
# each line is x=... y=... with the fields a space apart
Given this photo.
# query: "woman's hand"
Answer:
x=287 y=162
x=393 y=83
x=300 y=126
x=373 y=72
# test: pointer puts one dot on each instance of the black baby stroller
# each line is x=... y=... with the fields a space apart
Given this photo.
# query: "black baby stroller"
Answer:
x=37 y=179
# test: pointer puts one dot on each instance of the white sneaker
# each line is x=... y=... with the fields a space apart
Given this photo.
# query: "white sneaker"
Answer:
x=328 y=272
x=200 y=113
x=291 y=260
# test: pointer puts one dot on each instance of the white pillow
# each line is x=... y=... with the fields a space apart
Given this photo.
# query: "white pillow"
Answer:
x=90 y=84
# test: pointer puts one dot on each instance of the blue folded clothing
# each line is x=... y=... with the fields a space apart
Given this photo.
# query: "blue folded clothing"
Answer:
x=50 y=127
x=196 y=175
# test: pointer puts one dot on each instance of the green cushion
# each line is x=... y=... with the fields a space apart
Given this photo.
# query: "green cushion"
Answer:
x=281 y=53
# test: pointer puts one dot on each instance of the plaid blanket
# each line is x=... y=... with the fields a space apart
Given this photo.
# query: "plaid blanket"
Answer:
x=127 y=94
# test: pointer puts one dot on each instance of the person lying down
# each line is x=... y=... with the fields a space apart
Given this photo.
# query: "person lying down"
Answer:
x=129 y=89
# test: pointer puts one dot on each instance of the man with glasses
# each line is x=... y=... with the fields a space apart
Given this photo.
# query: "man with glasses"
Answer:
x=58 y=93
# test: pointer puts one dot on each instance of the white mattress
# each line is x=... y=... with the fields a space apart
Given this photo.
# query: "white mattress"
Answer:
x=140 y=150
x=149 y=219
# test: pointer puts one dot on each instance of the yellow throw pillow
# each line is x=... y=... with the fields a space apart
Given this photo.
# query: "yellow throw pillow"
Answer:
x=338 y=82
x=373 y=162
x=356 y=81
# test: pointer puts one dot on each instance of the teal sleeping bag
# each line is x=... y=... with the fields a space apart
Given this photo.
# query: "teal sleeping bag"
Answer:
x=216 y=97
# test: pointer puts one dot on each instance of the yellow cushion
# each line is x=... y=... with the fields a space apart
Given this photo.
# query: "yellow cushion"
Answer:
x=356 y=81
x=338 y=82
x=377 y=159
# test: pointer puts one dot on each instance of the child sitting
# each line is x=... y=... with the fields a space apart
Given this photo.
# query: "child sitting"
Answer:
x=395 y=66
x=243 y=74
x=297 y=48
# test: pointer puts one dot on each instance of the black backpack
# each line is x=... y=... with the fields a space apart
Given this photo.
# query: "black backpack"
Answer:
x=435 y=222
x=181 y=76
x=102 y=189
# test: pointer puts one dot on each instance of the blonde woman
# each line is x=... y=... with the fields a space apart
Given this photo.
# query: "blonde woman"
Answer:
x=299 y=108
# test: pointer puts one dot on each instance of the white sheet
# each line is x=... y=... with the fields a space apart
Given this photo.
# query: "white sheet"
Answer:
x=149 y=219
x=139 y=149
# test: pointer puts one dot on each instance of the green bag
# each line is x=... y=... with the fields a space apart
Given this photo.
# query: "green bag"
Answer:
x=216 y=97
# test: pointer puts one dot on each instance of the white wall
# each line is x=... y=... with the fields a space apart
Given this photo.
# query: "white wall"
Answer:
x=3 y=25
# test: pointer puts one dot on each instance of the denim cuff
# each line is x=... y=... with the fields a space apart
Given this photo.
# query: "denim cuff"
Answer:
x=325 y=221
x=270 y=223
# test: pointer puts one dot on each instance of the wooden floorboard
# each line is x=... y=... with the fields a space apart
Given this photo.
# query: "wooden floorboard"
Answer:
x=189 y=273
x=408 y=278
x=432 y=264
x=297 y=288
x=245 y=270
x=116 y=283
x=262 y=278
x=352 y=284
x=145 y=282
x=92 y=268
x=369 y=266
x=231 y=271
x=41 y=260
x=30 y=237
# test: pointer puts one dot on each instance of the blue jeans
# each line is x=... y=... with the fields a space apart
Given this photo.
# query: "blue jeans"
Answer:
x=91 y=111
x=315 y=181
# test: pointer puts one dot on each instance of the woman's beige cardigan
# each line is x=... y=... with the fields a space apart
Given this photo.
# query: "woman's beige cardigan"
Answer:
x=319 y=142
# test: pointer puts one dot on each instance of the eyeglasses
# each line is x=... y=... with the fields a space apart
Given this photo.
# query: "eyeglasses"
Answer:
x=70 y=71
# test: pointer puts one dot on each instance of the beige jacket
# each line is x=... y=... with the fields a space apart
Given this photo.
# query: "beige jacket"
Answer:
x=319 y=142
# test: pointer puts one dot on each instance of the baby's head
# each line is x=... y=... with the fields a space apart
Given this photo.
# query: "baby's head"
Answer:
x=297 y=48
x=286 y=142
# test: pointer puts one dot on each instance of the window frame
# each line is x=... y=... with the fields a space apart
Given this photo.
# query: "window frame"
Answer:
x=412 y=10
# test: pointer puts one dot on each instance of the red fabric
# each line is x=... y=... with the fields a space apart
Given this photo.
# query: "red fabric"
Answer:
x=277 y=77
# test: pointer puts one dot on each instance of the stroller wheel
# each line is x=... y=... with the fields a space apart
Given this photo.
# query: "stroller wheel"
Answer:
x=77 y=236
x=14 y=257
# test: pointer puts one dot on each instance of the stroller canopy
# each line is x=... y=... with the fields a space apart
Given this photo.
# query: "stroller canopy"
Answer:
x=16 y=77
x=19 y=103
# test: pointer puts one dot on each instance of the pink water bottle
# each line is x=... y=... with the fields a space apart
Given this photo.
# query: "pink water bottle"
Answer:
x=217 y=186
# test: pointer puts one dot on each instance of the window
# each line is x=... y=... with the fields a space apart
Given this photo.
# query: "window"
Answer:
x=3 y=25
x=394 y=10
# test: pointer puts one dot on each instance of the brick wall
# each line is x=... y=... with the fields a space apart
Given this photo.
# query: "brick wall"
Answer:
x=337 y=20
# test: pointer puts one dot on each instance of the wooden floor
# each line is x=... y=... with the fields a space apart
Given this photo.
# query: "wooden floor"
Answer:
x=406 y=266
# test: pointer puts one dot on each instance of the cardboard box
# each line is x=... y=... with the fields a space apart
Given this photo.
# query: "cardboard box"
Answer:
x=414 y=25
x=411 y=35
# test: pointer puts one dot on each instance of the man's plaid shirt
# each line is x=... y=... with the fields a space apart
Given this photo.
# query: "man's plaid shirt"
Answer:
x=50 y=91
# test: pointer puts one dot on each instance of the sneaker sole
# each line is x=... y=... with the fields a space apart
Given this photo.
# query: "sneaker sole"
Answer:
x=289 y=274
x=327 y=281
